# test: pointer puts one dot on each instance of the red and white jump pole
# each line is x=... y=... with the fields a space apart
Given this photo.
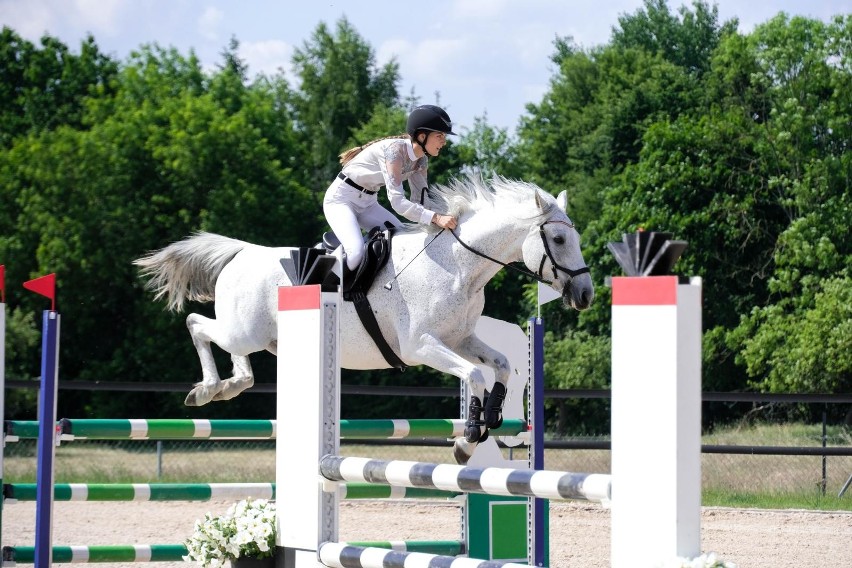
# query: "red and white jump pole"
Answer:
x=656 y=420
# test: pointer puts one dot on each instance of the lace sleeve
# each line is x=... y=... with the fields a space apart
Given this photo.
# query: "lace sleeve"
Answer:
x=392 y=169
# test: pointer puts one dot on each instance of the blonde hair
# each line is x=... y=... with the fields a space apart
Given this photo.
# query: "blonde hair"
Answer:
x=347 y=156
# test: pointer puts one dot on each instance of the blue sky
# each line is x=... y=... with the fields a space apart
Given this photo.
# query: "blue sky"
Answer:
x=480 y=56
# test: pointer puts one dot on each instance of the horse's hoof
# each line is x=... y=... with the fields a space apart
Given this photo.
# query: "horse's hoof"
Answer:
x=199 y=396
x=462 y=451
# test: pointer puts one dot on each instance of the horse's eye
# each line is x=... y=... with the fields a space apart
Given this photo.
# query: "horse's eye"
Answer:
x=559 y=240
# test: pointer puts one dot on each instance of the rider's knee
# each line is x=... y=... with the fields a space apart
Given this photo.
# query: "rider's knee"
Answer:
x=354 y=256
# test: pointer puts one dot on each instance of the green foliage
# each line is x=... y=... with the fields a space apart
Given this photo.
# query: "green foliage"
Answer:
x=42 y=88
x=340 y=85
x=687 y=42
x=486 y=150
x=735 y=143
x=806 y=350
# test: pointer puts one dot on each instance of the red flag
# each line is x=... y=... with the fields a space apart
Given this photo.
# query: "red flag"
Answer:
x=46 y=286
x=2 y=284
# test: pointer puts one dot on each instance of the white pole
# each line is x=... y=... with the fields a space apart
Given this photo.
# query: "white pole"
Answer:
x=656 y=420
x=308 y=396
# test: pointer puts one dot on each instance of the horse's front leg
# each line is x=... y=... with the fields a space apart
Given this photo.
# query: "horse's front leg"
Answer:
x=462 y=363
x=477 y=351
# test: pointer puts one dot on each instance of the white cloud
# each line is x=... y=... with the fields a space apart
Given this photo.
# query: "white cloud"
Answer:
x=33 y=18
x=30 y=20
x=480 y=9
x=98 y=16
x=269 y=56
x=208 y=23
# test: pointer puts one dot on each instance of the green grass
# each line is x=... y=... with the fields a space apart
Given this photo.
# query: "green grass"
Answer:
x=813 y=501
x=795 y=434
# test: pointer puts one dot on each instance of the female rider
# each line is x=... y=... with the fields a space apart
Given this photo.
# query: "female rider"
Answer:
x=351 y=201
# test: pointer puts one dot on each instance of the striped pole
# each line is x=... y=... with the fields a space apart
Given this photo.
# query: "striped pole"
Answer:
x=489 y=480
x=100 y=553
x=144 y=491
x=204 y=491
x=340 y=555
x=176 y=552
x=373 y=491
x=439 y=547
x=183 y=429
x=421 y=428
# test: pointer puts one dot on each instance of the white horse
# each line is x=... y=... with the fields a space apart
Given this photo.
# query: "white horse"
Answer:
x=427 y=315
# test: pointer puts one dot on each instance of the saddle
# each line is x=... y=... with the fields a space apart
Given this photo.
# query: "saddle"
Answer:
x=356 y=284
x=377 y=255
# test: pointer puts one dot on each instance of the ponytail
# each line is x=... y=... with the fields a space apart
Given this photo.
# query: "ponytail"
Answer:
x=347 y=156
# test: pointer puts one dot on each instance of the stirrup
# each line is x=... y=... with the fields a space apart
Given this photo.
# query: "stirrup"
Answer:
x=472 y=428
x=494 y=405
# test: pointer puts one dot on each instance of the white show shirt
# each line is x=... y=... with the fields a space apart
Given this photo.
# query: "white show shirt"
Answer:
x=388 y=163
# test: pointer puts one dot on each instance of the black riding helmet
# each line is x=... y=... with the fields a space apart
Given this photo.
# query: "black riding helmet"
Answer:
x=430 y=118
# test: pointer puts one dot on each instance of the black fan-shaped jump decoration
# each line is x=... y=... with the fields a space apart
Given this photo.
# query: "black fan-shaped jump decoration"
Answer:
x=647 y=253
x=310 y=266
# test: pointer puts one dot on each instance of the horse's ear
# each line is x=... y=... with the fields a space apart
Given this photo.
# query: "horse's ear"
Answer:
x=562 y=200
x=539 y=200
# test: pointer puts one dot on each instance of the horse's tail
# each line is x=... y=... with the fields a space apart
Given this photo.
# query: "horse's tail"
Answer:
x=187 y=270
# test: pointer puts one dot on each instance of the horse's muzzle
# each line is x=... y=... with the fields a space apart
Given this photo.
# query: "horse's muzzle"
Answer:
x=578 y=296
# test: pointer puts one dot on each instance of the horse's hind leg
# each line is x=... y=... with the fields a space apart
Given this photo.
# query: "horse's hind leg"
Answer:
x=210 y=385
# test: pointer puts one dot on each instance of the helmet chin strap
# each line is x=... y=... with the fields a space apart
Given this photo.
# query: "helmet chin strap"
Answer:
x=423 y=144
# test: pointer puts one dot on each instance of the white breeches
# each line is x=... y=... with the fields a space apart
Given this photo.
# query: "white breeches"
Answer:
x=348 y=211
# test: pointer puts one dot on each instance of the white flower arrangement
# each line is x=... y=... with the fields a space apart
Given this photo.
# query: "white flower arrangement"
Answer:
x=247 y=529
x=708 y=560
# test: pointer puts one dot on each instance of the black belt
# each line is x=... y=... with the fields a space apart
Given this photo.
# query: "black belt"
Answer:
x=349 y=180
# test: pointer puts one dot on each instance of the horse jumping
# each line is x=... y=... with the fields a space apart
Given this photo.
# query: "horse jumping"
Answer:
x=427 y=317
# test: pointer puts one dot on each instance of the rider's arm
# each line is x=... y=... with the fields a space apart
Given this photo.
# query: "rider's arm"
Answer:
x=392 y=170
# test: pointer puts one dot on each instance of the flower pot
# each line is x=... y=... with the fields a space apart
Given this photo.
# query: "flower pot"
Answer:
x=252 y=562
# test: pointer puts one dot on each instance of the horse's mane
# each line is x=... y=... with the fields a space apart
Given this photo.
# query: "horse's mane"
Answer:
x=473 y=193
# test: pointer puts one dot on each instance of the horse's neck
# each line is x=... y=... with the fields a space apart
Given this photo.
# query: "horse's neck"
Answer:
x=499 y=240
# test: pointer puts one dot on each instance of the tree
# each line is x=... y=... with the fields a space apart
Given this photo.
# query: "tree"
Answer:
x=800 y=341
x=486 y=150
x=687 y=42
x=172 y=152
x=44 y=88
x=339 y=88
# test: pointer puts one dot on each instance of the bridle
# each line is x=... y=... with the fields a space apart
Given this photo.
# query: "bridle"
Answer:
x=548 y=256
x=555 y=266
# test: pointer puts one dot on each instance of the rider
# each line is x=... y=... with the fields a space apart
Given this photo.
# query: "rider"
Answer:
x=351 y=201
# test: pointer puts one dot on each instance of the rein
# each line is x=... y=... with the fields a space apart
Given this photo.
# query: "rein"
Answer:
x=526 y=272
